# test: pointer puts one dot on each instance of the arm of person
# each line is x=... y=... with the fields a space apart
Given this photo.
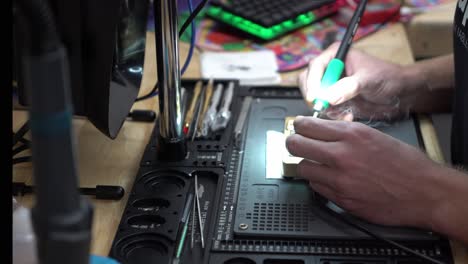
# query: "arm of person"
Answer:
x=430 y=84
x=450 y=214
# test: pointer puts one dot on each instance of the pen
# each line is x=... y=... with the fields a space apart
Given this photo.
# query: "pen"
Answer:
x=336 y=66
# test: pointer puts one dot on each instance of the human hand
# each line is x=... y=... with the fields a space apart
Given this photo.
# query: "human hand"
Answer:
x=366 y=172
x=372 y=88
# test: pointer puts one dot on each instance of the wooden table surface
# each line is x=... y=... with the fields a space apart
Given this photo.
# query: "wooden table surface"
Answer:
x=115 y=162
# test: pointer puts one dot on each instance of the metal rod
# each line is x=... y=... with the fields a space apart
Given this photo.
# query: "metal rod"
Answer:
x=194 y=208
x=172 y=142
x=200 y=223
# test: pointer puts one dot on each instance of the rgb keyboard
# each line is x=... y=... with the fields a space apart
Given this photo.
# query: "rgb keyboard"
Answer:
x=269 y=19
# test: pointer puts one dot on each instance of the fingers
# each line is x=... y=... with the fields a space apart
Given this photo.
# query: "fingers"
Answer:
x=325 y=191
x=317 y=173
x=343 y=90
x=314 y=76
x=321 y=178
x=310 y=149
x=361 y=109
x=348 y=117
x=311 y=78
x=319 y=129
x=341 y=115
x=343 y=112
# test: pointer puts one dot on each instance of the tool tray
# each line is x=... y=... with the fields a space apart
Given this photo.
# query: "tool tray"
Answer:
x=247 y=217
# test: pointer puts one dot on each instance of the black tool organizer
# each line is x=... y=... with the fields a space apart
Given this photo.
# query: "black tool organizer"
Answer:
x=150 y=222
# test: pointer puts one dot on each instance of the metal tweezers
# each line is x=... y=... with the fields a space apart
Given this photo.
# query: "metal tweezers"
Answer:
x=196 y=210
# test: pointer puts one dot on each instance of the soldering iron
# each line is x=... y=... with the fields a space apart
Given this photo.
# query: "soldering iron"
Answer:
x=336 y=66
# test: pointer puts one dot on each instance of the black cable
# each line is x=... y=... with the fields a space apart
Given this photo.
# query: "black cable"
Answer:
x=378 y=237
x=102 y=192
x=21 y=160
x=142 y=115
x=181 y=32
x=25 y=141
x=192 y=17
x=384 y=23
x=148 y=95
x=20 y=149
x=19 y=137
x=20 y=133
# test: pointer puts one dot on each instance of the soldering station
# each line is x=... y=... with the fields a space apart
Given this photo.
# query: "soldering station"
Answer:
x=208 y=190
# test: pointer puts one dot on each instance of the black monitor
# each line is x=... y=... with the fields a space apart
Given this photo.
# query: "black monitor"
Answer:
x=105 y=42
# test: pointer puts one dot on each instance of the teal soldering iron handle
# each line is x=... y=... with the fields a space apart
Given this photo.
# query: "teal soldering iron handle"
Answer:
x=332 y=75
x=336 y=66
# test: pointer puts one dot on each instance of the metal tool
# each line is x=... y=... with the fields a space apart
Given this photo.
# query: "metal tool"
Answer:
x=241 y=120
x=206 y=104
x=224 y=114
x=193 y=104
x=197 y=198
x=183 y=102
x=171 y=139
x=212 y=110
x=193 y=131
x=194 y=209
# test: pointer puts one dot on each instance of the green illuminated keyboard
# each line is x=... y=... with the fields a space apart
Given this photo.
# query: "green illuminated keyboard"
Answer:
x=269 y=19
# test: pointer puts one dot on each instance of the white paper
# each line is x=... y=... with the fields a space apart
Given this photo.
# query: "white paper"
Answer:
x=251 y=68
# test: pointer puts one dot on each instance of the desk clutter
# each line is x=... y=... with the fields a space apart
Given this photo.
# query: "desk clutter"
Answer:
x=217 y=206
x=294 y=50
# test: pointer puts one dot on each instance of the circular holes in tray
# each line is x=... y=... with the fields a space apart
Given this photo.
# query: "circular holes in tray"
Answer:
x=151 y=204
x=164 y=182
x=143 y=249
x=146 y=221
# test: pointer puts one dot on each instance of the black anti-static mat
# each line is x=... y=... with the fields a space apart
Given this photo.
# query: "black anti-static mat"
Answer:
x=234 y=191
x=287 y=208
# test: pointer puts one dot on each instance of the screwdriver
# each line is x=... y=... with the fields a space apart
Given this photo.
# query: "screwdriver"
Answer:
x=191 y=110
x=206 y=103
x=336 y=66
x=102 y=192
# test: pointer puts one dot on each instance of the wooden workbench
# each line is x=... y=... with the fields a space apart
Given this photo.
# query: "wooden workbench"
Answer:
x=115 y=162
x=436 y=21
